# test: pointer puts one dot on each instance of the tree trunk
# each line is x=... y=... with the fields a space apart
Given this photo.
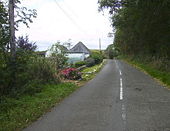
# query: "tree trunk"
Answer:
x=12 y=29
x=12 y=45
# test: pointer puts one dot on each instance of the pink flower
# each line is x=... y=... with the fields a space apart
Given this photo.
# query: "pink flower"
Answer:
x=71 y=73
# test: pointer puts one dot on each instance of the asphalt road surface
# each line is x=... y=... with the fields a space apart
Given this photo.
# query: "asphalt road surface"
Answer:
x=119 y=98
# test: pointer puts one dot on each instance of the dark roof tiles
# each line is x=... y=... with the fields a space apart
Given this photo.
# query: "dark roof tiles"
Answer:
x=79 y=48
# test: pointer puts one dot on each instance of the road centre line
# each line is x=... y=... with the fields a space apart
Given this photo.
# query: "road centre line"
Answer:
x=121 y=83
x=121 y=89
x=121 y=96
x=117 y=65
x=123 y=106
x=120 y=72
x=123 y=112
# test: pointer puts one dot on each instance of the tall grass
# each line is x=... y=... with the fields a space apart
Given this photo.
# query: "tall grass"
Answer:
x=27 y=75
x=16 y=114
x=156 y=67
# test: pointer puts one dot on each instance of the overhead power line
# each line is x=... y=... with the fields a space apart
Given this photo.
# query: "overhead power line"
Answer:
x=70 y=9
x=69 y=17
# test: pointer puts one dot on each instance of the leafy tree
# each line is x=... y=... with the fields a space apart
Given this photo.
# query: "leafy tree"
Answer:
x=4 y=27
x=68 y=44
x=24 y=44
x=9 y=69
x=58 y=54
x=142 y=27
x=112 y=51
x=97 y=56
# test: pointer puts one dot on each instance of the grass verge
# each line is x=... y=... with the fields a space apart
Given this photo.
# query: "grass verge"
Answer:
x=90 y=72
x=15 y=114
x=162 y=77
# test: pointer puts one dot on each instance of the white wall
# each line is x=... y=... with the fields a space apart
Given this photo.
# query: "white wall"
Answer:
x=74 y=57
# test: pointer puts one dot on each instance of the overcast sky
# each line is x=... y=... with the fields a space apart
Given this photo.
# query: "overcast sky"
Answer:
x=60 y=20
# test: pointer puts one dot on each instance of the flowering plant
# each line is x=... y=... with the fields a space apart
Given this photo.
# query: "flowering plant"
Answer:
x=71 y=74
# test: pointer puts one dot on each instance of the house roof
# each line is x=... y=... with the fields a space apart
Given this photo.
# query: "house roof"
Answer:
x=79 y=48
x=41 y=53
x=64 y=48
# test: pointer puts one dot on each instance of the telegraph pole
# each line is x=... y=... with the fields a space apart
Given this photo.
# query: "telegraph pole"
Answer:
x=100 y=44
x=12 y=42
x=12 y=29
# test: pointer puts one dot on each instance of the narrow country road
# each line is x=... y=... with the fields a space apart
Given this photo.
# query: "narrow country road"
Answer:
x=119 y=98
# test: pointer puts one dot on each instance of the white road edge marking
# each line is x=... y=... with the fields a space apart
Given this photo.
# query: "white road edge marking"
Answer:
x=121 y=89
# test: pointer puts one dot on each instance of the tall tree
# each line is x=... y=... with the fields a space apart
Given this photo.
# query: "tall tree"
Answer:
x=12 y=28
x=142 y=27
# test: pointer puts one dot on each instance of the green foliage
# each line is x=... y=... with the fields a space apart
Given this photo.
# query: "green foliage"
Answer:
x=58 y=54
x=97 y=56
x=24 y=16
x=142 y=27
x=80 y=63
x=14 y=72
x=16 y=114
x=24 y=44
x=111 y=51
x=161 y=75
x=31 y=71
x=90 y=62
x=90 y=72
x=4 y=28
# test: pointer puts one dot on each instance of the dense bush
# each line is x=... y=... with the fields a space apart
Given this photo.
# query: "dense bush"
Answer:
x=71 y=74
x=90 y=62
x=28 y=73
x=31 y=73
x=111 y=51
x=39 y=71
x=97 y=56
x=43 y=69
x=58 y=53
x=80 y=63
x=24 y=44
x=141 y=29
x=21 y=71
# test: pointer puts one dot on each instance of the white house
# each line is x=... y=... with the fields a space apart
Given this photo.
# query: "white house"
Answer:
x=78 y=53
x=55 y=49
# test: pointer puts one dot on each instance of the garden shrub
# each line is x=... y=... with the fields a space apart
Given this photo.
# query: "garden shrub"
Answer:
x=80 y=63
x=32 y=72
x=71 y=74
x=90 y=62
x=28 y=73
x=43 y=69
x=58 y=53
x=98 y=57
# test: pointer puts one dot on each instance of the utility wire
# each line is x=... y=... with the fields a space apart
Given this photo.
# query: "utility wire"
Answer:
x=69 y=17
x=70 y=9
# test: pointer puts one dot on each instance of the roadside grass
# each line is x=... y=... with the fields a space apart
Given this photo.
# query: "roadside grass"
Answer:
x=90 y=72
x=15 y=114
x=18 y=113
x=161 y=76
